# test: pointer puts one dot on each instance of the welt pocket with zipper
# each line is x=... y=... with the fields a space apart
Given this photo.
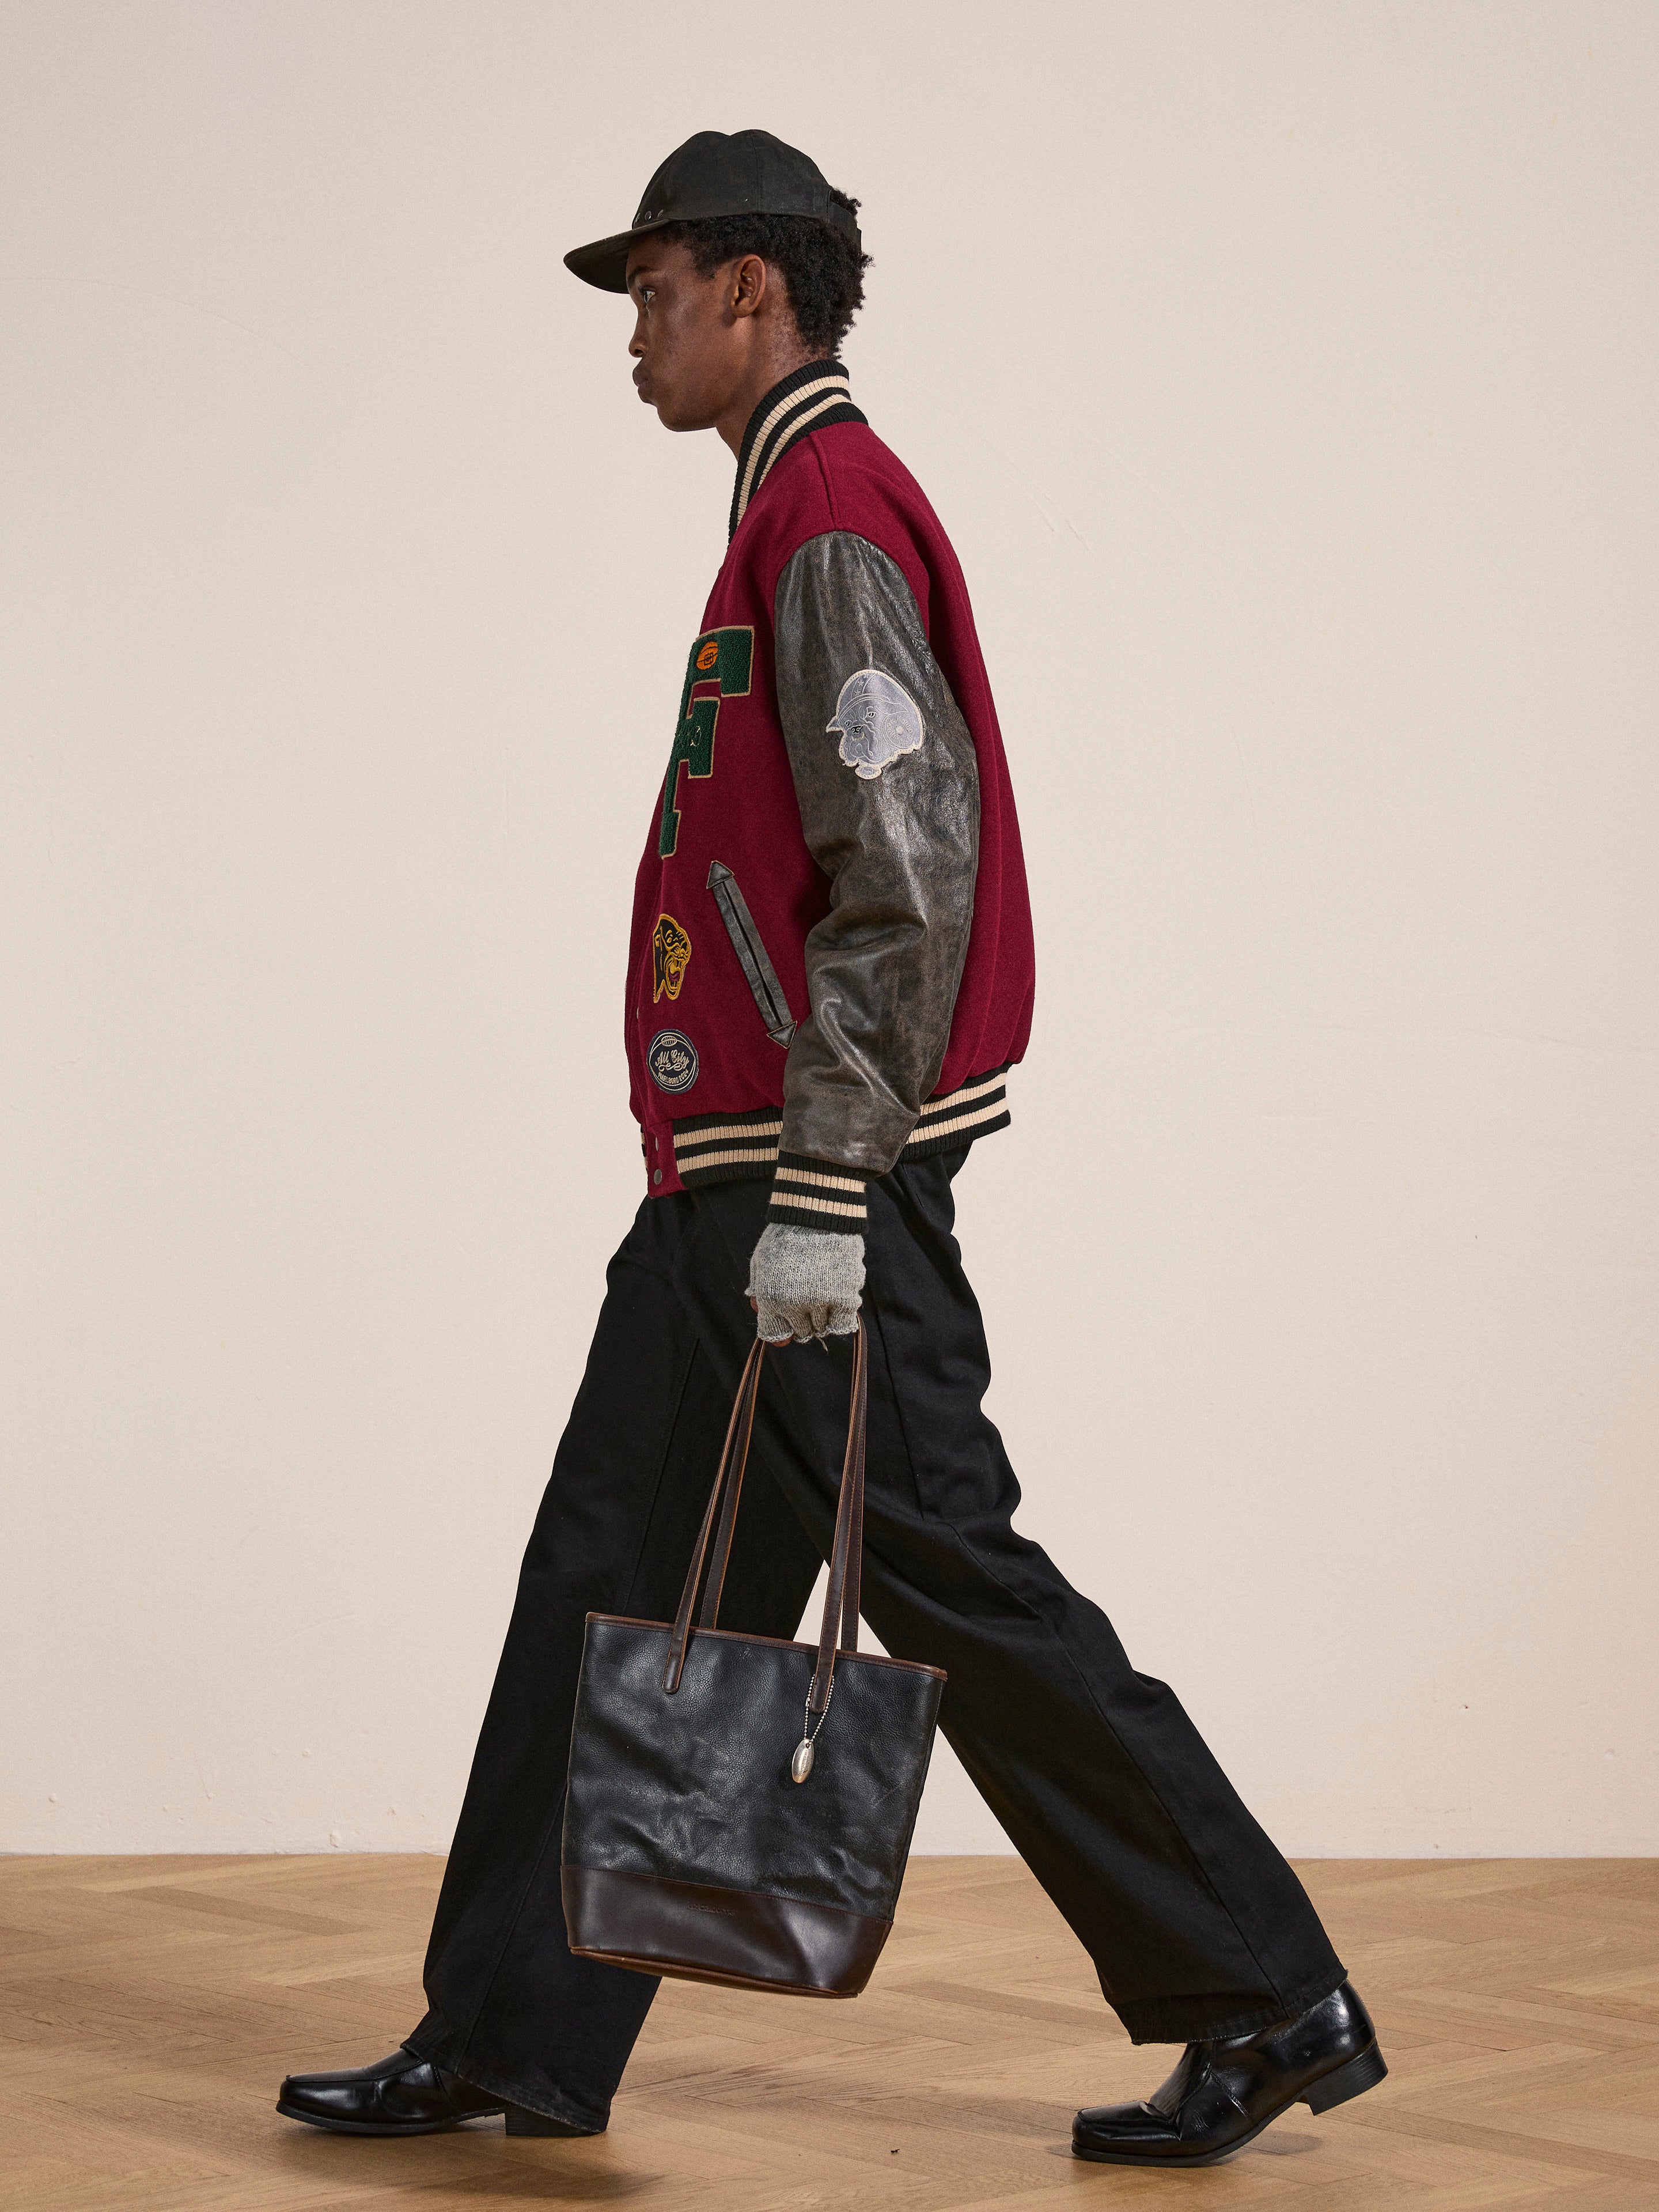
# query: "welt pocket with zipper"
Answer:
x=752 y=957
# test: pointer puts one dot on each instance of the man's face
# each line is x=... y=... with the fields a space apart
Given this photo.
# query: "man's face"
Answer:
x=688 y=334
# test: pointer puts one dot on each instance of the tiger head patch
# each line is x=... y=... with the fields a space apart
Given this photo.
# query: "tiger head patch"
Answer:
x=671 y=951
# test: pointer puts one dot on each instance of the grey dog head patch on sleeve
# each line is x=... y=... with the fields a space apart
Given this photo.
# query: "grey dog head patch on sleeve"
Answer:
x=877 y=720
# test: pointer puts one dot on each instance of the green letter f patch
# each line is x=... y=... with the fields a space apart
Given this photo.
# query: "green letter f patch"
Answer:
x=719 y=656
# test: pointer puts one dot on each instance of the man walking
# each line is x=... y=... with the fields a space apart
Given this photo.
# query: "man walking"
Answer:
x=830 y=975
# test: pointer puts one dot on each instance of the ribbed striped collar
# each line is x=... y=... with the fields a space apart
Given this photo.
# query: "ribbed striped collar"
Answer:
x=809 y=398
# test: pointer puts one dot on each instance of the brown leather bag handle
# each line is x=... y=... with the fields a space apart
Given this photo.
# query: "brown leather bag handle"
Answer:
x=841 y=1598
x=742 y=1415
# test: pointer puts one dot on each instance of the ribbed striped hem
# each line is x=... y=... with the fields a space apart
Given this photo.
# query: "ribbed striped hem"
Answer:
x=727 y=1147
x=710 y=1148
x=809 y=1194
x=809 y=398
x=973 y=1110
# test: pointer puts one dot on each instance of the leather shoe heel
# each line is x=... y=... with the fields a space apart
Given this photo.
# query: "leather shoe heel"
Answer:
x=521 y=2121
x=1352 y=2079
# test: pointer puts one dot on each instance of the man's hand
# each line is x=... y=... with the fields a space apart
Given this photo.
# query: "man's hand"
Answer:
x=805 y=1283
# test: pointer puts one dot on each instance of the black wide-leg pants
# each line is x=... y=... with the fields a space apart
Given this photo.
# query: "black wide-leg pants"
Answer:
x=1195 y=1924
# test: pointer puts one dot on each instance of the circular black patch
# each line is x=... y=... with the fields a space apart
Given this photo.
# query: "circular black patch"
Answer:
x=672 y=1059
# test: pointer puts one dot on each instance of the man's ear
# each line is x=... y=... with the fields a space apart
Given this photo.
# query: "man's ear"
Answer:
x=748 y=285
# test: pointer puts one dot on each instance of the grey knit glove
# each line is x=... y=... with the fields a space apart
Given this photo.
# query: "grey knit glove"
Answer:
x=805 y=1282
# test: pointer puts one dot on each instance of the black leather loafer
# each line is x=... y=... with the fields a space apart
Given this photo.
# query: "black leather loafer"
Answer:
x=1222 y=2095
x=403 y=2095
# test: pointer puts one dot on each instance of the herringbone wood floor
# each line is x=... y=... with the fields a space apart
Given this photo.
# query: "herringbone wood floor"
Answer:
x=151 y=2006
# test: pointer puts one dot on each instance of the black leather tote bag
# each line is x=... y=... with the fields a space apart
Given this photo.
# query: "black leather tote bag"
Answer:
x=740 y=1808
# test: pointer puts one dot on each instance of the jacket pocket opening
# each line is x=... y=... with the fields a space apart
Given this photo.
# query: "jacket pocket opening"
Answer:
x=750 y=948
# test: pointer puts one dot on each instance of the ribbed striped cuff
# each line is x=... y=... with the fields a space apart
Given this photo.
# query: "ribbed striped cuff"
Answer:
x=810 y=1194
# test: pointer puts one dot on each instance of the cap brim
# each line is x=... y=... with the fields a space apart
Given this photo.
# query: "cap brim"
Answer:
x=605 y=263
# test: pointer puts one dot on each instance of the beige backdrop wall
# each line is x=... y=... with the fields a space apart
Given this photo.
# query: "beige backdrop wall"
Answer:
x=1285 y=375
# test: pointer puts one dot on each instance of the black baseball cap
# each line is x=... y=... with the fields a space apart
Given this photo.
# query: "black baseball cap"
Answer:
x=717 y=172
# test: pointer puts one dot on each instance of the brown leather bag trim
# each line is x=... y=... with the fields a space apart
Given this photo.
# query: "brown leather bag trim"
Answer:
x=677 y=1973
x=780 y=1644
x=738 y=1938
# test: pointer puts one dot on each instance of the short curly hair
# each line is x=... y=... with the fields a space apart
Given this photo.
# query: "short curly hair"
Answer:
x=822 y=267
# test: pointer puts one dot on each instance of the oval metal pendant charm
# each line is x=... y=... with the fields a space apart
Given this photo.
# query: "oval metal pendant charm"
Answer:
x=801 y=1764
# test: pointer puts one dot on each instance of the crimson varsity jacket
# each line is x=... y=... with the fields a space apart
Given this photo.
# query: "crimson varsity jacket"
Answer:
x=831 y=966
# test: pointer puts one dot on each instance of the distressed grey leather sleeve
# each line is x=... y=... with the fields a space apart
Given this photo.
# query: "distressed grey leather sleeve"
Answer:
x=888 y=786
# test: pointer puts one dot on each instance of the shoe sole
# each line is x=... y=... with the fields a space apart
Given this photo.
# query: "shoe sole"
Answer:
x=385 y=2127
x=1351 y=2079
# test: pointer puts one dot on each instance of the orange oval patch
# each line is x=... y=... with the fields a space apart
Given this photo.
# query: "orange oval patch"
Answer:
x=708 y=655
